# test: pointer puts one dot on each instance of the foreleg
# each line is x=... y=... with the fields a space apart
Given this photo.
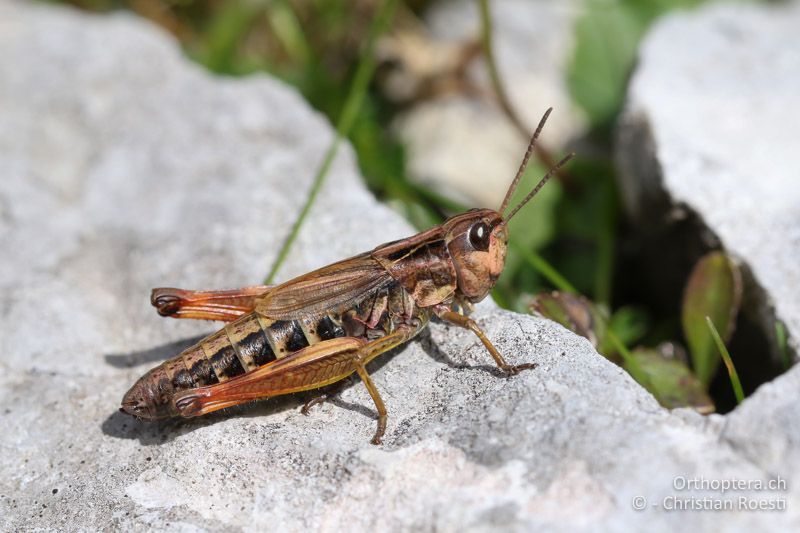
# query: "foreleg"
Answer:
x=468 y=323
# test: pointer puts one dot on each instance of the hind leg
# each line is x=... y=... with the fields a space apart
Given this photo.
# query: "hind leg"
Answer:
x=225 y=305
x=312 y=367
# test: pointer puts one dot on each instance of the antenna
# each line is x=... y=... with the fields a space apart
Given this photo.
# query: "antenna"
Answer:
x=539 y=185
x=524 y=163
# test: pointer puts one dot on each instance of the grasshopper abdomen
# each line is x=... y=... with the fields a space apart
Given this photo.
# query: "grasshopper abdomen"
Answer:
x=254 y=341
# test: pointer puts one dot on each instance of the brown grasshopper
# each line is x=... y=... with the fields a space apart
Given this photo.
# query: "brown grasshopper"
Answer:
x=322 y=327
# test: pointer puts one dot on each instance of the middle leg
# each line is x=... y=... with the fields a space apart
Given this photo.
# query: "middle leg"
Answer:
x=376 y=397
x=333 y=390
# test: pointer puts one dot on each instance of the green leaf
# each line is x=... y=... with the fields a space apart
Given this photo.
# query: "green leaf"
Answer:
x=714 y=290
x=287 y=28
x=629 y=323
x=606 y=35
x=671 y=381
x=582 y=316
x=574 y=312
x=225 y=34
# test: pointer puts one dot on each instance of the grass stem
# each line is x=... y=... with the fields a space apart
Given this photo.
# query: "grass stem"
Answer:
x=544 y=268
x=501 y=94
x=726 y=357
x=352 y=105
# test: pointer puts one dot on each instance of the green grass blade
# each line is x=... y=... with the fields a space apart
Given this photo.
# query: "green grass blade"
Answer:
x=544 y=268
x=726 y=357
x=355 y=97
x=631 y=364
x=228 y=30
x=287 y=28
x=714 y=289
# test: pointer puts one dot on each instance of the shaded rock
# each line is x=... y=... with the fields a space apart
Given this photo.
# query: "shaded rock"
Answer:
x=124 y=167
x=709 y=129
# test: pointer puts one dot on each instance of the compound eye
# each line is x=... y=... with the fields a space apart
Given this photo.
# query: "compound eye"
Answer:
x=479 y=236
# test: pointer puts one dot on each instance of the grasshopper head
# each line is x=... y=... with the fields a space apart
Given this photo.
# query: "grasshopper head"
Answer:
x=478 y=239
x=477 y=243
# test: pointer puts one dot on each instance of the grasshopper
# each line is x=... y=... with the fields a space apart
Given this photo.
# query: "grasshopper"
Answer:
x=322 y=327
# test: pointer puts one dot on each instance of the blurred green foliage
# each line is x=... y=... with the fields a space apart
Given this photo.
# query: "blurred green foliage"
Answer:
x=713 y=290
x=315 y=45
x=607 y=37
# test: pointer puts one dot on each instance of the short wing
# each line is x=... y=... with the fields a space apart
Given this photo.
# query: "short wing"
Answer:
x=328 y=289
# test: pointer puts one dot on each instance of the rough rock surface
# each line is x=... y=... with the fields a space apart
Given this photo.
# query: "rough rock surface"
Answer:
x=124 y=167
x=463 y=144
